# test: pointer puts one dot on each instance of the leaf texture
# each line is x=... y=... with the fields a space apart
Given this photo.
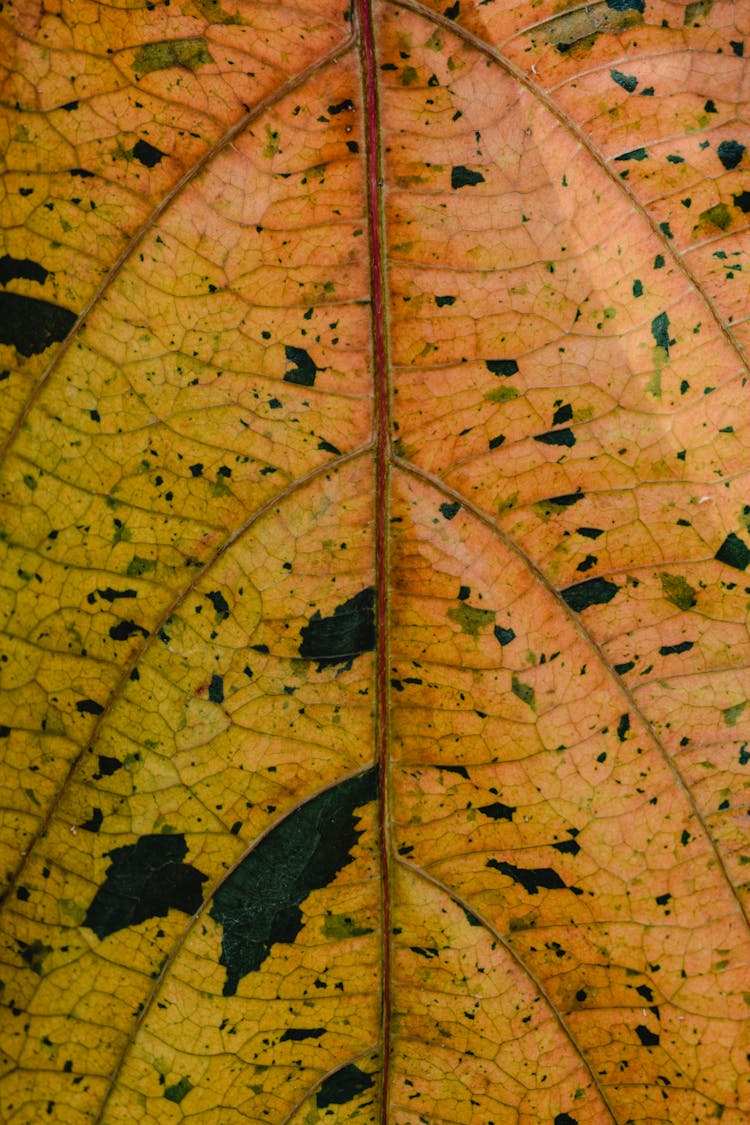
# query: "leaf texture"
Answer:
x=374 y=691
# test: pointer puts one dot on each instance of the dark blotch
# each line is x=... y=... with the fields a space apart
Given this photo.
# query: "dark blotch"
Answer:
x=504 y=636
x=505 y=367
x=341 y=107
x=343 y=1086
x=626 y=5
x=594 y=591
x=623 y=726
x=733 y=552
x=258 y=905
x=461 y=176
x=304 y=371
x=627 y=81
x=346 y=634
x=31 y=325
x=563 y=413
x=219 y=602
x=674 y=650
x=557 y=437
x=498 y=811
x=295 y=1033
x=660 y=331
x=145 y=880
x=89 y=707
x=730 y=153
x=445 y=300
x=107 y=766
x=147 y=154
x=567 y=847
x=590 y=532
x=12 y=268
x=633 y=154
x=742 y=201
x=124 y=630
x=216 y=689
x=94 y=823
x=530 y=878
x=647 y=1038
x=567 y=499
x=448 y=511
x=565 y=1119
x=451 y=13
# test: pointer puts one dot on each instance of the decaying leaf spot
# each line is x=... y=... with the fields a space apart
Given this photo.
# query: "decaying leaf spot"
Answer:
x=345 y=634
x=259 y=904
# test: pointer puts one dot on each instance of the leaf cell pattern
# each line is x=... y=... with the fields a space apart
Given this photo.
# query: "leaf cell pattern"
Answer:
x=373 y=685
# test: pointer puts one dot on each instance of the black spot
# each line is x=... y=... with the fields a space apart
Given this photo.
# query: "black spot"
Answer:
x=461 y=176
x=563 y=413
x=590 y=532
x=294 y=1033
x=567 y=499
x=594 y=591
x=626 y=666
x=623 y=726
x=328 y=447
x=565 y=1119
x=557 y=437
x=11 y=268
x=31 y=325
x=220 y=603
x=463 y=593
x=353 y=146
x=343 y=1086
x=498 y=811
x=644 y=991
x=530 y=878
x=145 y=880
x=446 y=300
x=216 y=689
x=82 y=172
x=450 y=510
x=733 y=552
x=496 y=442
x=341 y=107
x=4 y=731
x=123 y=630
x=730 y=153
x=304 y=371
x=94 y=823
x=107 y=766
x=710 y=106
x=428 y=952
x=674 y=650
x=504 y=636
x=567 y=847
x=742 y=201
x=196 y=470
x=647 y=1038
x=626 y=5
x=627 y=81
x=89 y=707
x=505 y=367
x=738 y=46
x=346 y=634
x=587 y=563
x=451 y=13
x=460 y=770
x=634 y=154
x=258 y=905
x=147 y=154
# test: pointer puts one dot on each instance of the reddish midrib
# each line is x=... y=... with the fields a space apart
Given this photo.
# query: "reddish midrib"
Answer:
x=382 y=430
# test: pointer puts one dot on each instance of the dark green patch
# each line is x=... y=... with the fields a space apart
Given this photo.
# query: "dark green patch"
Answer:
x=633 y=154
x=296 y=1034
x=498 y=811
x=145 y=880
x=742 y=201
x=32 y=325
x=346 y=634
x=146 y=154
x=22 y=268
x=660 y=332
x=504 y=636
x=627 y=81
x=557 y=437
x=506 y=367
x=524 y=692
x=594 y=591
x=444 y=300
x=216 y=689
x=33 y=954
x=461 y=176
x=343 y=1086
x=258 y=905
x=220 y=604
x=719 y=216
x=177 y=1092
x=733 y=552
x=675 y=650
x=448 y=511
x=190 y=54
x=730 y=153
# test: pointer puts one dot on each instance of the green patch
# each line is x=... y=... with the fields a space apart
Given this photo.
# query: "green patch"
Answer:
x=732 y=714
x=191 y=54
x=271 y=146
x=524 y=922
x=178 y=1091
x=214 y=13
x=697 y=11
x=501 y=394
x=471 y=620
x=342 y=926
x=524 y=692
x=138 y=566
x=677 y=591
x=719 y=216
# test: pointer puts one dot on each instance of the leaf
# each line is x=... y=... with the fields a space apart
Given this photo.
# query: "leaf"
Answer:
x=375 y=530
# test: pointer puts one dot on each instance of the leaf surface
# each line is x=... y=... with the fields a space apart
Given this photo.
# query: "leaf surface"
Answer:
x=374 y=675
